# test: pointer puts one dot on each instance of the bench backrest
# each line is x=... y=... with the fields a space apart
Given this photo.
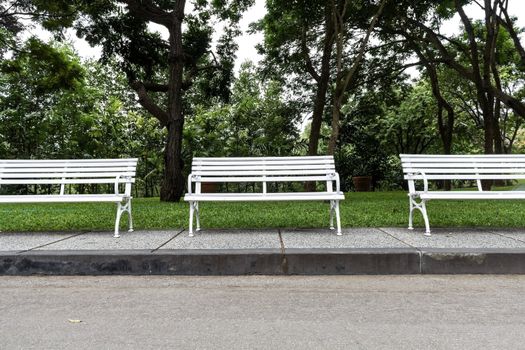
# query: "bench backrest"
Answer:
x=264 y=169
x=462 y=167
x=67 y=171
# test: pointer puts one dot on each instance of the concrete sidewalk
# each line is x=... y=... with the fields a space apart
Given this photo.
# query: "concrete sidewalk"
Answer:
x=270 y=251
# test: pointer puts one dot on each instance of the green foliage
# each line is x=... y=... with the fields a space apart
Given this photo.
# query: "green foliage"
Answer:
x=257 y=121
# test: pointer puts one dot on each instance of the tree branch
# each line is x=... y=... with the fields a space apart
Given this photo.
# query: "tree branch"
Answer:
x=146 y=10
x=146 y=102
x=308 y=61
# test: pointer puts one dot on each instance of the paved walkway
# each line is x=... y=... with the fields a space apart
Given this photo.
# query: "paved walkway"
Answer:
x=352 y=238
x=270 y=251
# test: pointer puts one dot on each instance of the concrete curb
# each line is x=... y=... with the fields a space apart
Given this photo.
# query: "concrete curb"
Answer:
x=380 y=261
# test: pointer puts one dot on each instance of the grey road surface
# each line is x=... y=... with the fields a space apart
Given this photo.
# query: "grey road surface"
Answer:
x=341 y=312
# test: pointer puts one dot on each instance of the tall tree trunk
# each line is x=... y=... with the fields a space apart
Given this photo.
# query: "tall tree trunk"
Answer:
x=322 y=84
x=343 y=80
x=173 y=182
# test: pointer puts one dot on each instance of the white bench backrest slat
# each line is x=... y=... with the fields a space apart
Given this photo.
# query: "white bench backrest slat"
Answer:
x=63 y=181
x=264 y=179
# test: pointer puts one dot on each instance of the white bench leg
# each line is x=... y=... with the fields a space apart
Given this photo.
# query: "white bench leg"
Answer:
x=130 y=219
x=411 y=214
x=338 y=218
x=423 y=209
x=117 y=220
x=121 y=208
x=192 y=208
x=425 y=217
x=332 y=205
x=197 y=214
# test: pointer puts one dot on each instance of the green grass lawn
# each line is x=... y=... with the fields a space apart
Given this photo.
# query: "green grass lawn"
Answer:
x=374 y=209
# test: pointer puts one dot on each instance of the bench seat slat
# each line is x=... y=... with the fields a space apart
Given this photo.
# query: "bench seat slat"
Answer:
x=467 y=177
x=280 y=196
x=66 y=198
x=458 y=195
x=467 y=171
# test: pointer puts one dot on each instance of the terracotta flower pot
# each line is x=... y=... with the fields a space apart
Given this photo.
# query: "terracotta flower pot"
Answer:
x=362 y=183
x=209 y=187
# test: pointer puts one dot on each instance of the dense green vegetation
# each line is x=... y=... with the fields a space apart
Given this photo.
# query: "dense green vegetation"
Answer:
x=334 y=79
x=374 y=209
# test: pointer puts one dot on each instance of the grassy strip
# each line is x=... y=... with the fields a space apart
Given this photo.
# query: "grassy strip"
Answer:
x=376 y=209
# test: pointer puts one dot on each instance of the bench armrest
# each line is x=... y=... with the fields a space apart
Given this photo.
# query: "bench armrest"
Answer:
x=190 y=176
x=425 y=182
x=337 y=183
x=128 y=182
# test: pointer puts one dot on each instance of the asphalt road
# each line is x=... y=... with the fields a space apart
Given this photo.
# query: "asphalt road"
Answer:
x=341 y=312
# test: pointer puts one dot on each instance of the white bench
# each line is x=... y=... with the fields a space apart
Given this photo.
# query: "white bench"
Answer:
x=65 y=172
x=264 y=170
x=458 y=167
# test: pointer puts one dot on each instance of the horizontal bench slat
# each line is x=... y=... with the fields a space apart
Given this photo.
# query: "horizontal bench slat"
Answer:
x=60 y=175
x=65 y=170
x=462 y=165
x=285 y=196
x=264 y=179
x=260 y=173
x=43 y=161
x=269 y=162
x=66 y=198
x=467 y=177
x=63 y=181
x=262 y=167
x=243 y=159
x=466 y=171
x=459 y=195
x=460 y=156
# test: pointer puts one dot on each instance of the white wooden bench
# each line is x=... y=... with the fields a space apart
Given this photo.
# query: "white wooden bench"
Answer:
x=264 y=170
x=458 y=167
x=72 y=172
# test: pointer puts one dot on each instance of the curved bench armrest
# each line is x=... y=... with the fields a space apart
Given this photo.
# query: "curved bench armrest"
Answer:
x=425 y=180
x=127 y=190
x=337 y=183
x=190 y=176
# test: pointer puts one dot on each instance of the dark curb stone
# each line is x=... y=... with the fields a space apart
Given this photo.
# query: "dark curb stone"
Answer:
x=378 y=261
x=211 y=262
x=473 y=261
x=381 y=261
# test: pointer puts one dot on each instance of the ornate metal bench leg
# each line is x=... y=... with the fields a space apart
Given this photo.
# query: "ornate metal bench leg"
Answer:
x=332 y=215
x=191 y=219
x=425 y=217
x=197 y=214
x=130 y=219
x=411 y=214
x=117 y=220
x=338 y=218
x=423 y=209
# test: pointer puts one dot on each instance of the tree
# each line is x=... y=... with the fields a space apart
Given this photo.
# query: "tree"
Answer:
x=161 y=71
x=344 y=77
